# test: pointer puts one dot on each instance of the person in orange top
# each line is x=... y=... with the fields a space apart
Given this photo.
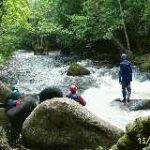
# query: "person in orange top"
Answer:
x=75 y=96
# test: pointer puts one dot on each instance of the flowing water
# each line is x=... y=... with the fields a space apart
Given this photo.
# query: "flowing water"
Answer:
x=35 y=72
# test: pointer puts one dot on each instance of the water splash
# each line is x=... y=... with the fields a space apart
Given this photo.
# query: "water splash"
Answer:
x=35 y=72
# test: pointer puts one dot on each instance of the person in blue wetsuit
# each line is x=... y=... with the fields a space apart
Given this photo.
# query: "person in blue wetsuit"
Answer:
x=125 y=77
x=75 y=96
x=13 y=99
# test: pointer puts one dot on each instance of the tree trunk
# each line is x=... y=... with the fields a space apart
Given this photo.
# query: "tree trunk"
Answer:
x=119 y=44
x=124 y=28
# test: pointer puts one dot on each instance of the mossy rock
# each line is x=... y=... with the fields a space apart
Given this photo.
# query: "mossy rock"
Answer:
x=63 y=124
x=134 y=104
x=4 y=140
x=136 y=136
x=77 y=70
x=145 y=66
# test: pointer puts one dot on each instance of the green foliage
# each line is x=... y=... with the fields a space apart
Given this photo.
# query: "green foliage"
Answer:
x=87 y=21
x=13 y=25
x=76 y=24
x=104 y=18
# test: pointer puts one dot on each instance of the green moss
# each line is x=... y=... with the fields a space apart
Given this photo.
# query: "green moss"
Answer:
x=123 y=142
x=77 y=70
x=139 y=129
x=145 y=66
x=143 y=61
x=114 y=147
x=3 y=140
x=133 y=128
x=51 y=120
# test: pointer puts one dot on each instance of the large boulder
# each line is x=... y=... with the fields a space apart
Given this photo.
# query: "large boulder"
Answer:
x=137 y=136
x=49 y=93
x=139 y=104
x=133 y=104
x=63 y=124
x=4 y=92
x=77 y=70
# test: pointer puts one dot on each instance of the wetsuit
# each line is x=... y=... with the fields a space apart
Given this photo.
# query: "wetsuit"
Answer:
x=13 y=99
x=77 y=98
x=125 y=77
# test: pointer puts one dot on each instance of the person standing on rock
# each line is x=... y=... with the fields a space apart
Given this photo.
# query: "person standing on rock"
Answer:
x=125 y=77
x=74 y=95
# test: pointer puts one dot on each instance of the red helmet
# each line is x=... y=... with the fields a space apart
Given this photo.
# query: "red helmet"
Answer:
x=73 y=88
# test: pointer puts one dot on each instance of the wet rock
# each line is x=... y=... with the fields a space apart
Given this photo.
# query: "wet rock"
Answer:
x=77 y=70
x=137 y=135
x=133 y=104
x=4 y=92
x=139 y=104
x=62 y=124
x=49 y=93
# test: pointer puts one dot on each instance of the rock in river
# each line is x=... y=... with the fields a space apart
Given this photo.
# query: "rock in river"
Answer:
x=77 y=70
x=63 y=124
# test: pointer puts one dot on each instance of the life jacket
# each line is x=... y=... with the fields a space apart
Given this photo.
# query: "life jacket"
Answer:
x=125 y=71
x=81 y=100
x=17 y=102
x=77 y=98
x=73 y=96
x=13 y=99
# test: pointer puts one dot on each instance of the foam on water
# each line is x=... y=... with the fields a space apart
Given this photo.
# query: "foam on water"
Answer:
x=99 y=100
x=35 y=72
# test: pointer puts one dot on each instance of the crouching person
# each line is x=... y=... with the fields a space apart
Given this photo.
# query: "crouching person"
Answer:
x=75 y=96
x=13 y=99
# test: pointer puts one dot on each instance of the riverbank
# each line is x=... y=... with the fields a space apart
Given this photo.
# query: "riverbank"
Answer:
x=143 y=61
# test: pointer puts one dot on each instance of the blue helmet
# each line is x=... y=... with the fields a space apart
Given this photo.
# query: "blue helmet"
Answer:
x=124 y=57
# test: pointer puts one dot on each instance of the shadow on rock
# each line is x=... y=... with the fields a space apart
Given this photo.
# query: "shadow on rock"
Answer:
x=133 y=104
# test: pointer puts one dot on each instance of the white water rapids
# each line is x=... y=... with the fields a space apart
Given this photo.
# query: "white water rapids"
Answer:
x=35 y=72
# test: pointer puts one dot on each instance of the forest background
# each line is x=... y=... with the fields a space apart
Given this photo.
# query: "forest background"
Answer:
x=97 y=29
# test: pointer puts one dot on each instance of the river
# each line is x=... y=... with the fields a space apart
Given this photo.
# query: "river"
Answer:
x=35 y=72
